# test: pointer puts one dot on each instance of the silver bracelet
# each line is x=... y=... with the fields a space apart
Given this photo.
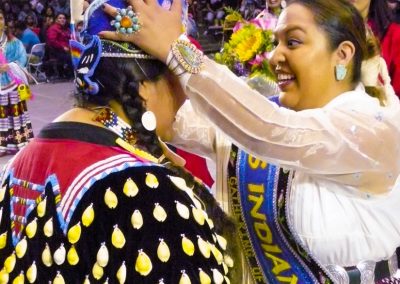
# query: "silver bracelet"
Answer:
x=184 y=57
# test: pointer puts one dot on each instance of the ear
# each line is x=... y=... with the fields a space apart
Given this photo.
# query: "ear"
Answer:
x=345 y=53
x=144 y=90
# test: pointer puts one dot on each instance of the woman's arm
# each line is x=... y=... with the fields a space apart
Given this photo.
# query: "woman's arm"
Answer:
x=340 y=138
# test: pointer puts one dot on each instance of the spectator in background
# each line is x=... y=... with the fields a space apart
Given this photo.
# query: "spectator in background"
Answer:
x=6 y=8
x=31 y=23
x=57 y=45
x=15 y=126
x=25 y=12
x=215 y=12
x=61 y=7
x=26 y=35
x=48 y=18
x=394 y=5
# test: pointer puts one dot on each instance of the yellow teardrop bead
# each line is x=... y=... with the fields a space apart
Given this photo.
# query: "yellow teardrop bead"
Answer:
x=217 y=254
x=225 y=267
x=217 y=276
x=59 y=255
x=1 y=214
x=198 y=215
x=3 y=240
x=46 y=256
x=59 y=279
x=121 y=273
x=183 y=210
x=163 y=251
x=228 y=261
x=4 y=276
x=151 y=180
x=9 y=263
x=48 y=228
x=31 y=273
x=97 y=271
x=31 y=228
x=187 y=245
x=184 y=279
x=86 y=280
x=88 y=216
x=102 y=255
x=204 y=278
x=20 y=248
x=227 y=280
x=130 y=188
x=210 y=223
x=221 y=241
x=204 y=247
x=20 y=279
x=110 y=199
x=117 y=238
x=137 y=219
x=179 y=183
x=72 y=256
x=74 y=233
x=143 y=264
x=159 y=213
x=41 y=208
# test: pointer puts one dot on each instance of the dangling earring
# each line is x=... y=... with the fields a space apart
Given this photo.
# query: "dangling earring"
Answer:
x=283 y=4
x=149 y=120
x=340 y=72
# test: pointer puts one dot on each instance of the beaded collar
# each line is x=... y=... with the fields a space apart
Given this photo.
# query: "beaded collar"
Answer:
x=126 y=135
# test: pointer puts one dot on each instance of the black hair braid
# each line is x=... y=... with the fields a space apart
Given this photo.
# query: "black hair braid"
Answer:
x=133 y=107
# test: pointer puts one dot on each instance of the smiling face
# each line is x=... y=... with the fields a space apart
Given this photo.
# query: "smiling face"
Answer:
x=303 y=60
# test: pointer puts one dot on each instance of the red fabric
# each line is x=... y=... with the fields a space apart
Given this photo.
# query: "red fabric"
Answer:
x=390 y=45
x=197 y=166
x=57 y=37
x=52 y=162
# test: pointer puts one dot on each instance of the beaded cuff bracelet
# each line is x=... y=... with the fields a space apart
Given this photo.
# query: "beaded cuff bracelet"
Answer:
x=184 y=57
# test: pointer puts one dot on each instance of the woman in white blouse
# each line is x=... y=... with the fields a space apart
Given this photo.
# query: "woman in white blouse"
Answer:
x=342 y=143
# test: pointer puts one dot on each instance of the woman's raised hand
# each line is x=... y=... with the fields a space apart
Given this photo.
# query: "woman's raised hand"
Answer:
x=158 y=26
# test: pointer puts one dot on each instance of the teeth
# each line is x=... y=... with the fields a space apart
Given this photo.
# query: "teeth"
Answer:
x=282 y=77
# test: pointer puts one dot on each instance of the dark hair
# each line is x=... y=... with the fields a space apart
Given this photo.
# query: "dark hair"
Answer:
x=381 y=17
x=341 y=21
x=122 y=85
x=20 y=25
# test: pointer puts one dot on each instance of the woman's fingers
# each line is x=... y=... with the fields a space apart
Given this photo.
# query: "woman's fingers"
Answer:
x=110 y=10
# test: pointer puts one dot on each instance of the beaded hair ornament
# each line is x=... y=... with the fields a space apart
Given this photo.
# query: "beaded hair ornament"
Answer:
x=87 y=48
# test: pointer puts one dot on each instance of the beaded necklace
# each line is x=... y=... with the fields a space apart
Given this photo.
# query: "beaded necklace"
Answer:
x=126 y=135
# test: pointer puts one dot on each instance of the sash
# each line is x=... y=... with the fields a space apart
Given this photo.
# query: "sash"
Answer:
x=258 y=194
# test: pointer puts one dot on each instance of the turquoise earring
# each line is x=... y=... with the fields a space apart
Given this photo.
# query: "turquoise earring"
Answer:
x=340 y=72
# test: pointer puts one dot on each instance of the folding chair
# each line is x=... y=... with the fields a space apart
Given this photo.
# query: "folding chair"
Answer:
x=35 y=62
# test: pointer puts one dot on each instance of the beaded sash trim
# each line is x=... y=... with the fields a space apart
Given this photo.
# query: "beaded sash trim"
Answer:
x=24 y=197
x=258 y=194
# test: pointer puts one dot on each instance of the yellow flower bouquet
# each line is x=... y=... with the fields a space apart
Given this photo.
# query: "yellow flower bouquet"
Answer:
x=246 y=52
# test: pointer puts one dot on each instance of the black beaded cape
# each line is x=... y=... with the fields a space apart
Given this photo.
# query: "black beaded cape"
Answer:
x=75 y=208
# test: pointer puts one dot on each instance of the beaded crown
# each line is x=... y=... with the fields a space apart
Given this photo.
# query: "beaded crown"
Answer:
x=87 y=48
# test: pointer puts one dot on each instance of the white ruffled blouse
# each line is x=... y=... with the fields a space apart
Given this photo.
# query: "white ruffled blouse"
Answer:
x=345 y=197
